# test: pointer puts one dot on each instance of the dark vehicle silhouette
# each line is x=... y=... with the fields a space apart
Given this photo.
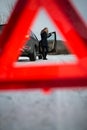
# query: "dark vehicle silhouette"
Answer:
x=31 y=47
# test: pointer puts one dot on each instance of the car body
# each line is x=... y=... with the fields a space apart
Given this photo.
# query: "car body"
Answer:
x=31 y=47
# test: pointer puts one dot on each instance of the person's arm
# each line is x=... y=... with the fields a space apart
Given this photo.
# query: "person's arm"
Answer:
x=49 y=34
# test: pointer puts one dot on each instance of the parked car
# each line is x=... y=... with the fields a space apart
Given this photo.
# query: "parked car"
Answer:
x=31 y=47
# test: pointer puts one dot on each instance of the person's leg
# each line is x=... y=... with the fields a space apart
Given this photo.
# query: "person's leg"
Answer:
x=46 y=52
x=43 y=52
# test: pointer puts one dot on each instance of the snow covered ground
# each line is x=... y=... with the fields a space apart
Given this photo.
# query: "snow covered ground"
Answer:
x=33 y=110
x=51 y=59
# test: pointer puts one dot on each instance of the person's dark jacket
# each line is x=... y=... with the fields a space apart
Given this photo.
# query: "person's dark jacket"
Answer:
x=44 y=37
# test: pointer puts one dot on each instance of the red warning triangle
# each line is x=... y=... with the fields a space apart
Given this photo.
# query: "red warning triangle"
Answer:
x=66 y=19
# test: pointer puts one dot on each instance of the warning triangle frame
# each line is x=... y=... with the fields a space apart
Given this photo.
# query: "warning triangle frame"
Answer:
x=45 y=76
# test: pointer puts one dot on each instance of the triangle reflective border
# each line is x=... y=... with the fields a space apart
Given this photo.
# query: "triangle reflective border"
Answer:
x=67 y=20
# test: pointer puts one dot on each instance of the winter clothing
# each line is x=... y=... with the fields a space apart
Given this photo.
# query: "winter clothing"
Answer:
x=44 y=43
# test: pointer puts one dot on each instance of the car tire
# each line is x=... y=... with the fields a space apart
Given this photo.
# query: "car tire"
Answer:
x=33 y=55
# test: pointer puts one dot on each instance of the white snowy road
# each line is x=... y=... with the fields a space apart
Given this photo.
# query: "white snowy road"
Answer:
x=33 y=110
x=51 y=59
